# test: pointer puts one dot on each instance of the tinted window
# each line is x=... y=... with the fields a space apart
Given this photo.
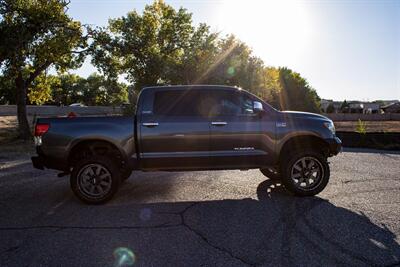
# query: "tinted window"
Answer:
x=177 y=103
x=229 y=103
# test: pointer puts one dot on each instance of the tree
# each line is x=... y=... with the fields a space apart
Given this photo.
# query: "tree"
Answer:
x=36 y=35
x=41 y=89
x=161 y=46
x=69 y=90
x=296 y=93
x=99 y=90
x=344 y=108
x=94 y=90
x=197 y=58
x=145 y=47
x=330 y=108
x=7 y=90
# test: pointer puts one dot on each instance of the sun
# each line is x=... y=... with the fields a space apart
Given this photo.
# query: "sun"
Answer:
x=280 y=27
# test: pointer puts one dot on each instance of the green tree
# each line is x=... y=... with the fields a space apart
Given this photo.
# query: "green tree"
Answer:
x=161 y=46
x=143 y=46
x=40 y=90
x=330 y=108
x=94 y=90
x=344 y=108
x=7 y=90
x=36 y=35
x=296 y=93
x=69 y=90
x=99 y=90
x=197 y=58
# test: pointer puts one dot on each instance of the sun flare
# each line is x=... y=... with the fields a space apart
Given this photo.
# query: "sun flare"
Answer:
x=285 y=27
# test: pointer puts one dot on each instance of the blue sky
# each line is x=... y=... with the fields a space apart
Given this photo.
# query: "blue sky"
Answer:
x=345 y=49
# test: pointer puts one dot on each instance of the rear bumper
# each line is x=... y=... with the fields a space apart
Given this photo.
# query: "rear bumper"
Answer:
x=37 y=162
x=41 y=162
x=335 y=145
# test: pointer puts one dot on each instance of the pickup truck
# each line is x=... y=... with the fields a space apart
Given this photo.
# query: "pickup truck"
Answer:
x=187 y=128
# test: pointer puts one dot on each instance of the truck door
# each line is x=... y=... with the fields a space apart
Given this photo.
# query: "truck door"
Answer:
x=173 y=133
x=236 y=138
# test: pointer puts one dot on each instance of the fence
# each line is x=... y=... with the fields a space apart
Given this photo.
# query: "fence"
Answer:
x=389 y=141
x=363 y=117
x=11 y=110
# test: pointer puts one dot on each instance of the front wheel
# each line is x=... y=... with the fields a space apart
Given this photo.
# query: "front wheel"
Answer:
x=95 y=180
x=305 y=173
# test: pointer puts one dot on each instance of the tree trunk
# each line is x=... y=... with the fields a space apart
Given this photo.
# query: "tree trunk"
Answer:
x=24 y=131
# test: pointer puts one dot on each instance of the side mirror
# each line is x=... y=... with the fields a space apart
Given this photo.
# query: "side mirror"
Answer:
x=257 y=107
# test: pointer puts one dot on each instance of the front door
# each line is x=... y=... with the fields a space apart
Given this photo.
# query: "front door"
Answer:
x=174 y=134
x=235 y=133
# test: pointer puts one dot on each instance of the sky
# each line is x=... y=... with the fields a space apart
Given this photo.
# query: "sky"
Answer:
x=345 y=49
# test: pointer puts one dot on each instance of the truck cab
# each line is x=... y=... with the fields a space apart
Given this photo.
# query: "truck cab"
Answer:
x=209 y=127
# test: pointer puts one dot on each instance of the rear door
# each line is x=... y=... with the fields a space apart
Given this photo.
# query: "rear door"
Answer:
x=235 y=133
x=174 y=134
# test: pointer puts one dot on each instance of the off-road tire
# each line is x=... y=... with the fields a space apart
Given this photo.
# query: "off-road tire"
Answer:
x=287 y=166
x=79 y=180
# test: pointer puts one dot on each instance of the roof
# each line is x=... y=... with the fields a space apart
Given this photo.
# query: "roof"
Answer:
x=391 y=105
x=193 y=86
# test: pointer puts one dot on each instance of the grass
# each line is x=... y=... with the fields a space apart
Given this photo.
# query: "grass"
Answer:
x=9 y=142
x=370 y=126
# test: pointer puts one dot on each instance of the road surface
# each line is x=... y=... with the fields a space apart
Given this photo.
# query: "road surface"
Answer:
x=218 y=218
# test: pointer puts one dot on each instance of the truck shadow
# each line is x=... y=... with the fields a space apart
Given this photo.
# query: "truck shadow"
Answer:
x=280 y=229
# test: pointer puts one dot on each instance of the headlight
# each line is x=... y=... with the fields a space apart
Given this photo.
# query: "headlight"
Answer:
x=330 y=126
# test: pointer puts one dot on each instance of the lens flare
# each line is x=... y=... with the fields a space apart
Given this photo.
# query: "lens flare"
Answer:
x=123 y=257
x=231 y=71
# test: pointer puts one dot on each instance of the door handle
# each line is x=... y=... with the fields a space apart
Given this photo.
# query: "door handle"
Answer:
x=150 y=124
x=219 y=123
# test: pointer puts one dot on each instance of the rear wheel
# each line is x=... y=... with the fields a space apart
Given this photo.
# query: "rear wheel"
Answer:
x=305 y=173
x=95 y=180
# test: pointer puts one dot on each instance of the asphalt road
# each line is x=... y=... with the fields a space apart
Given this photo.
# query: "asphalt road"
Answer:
x=220 y=218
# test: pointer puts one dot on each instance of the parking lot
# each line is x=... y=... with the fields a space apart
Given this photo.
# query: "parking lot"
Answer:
x=219 y=218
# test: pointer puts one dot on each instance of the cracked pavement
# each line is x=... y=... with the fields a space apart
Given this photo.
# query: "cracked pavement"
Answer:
x=208 y=218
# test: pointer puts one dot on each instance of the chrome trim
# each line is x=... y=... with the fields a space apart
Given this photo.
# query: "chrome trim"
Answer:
x=219 y=123
x=150 y=124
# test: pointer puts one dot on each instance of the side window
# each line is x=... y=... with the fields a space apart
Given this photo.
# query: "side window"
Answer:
x=223 y=103
x=247 y=104
x=176 y=103
x=228 y=103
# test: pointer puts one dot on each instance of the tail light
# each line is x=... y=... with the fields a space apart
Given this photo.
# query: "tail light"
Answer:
x=41 y=128
x=71 y=115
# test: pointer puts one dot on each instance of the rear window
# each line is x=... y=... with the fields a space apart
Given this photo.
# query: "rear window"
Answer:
x=177 y=103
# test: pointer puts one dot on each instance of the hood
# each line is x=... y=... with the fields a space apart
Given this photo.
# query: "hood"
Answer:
x=303 y=115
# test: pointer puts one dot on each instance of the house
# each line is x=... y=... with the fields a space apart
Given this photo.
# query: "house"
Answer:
x=356 y=107
x=371 y=108
x=392 y=108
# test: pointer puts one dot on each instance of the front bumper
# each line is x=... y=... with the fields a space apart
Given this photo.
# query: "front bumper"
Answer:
x=335 y=145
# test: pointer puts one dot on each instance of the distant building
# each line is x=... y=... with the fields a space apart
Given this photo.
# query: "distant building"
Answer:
x=374 y=107
x=392 y=108
x=356 y=108
x=371 y=108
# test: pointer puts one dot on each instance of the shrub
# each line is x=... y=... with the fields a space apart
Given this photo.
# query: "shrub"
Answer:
x=361 y=127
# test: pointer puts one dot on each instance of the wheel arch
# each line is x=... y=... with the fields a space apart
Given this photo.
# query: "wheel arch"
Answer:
x=96 y=146
x=301 y=142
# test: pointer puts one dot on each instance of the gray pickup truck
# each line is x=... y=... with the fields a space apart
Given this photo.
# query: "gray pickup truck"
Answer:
x=186 y=128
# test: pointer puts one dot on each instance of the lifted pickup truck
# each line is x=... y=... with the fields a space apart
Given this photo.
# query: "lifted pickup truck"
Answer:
x=185 y=128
